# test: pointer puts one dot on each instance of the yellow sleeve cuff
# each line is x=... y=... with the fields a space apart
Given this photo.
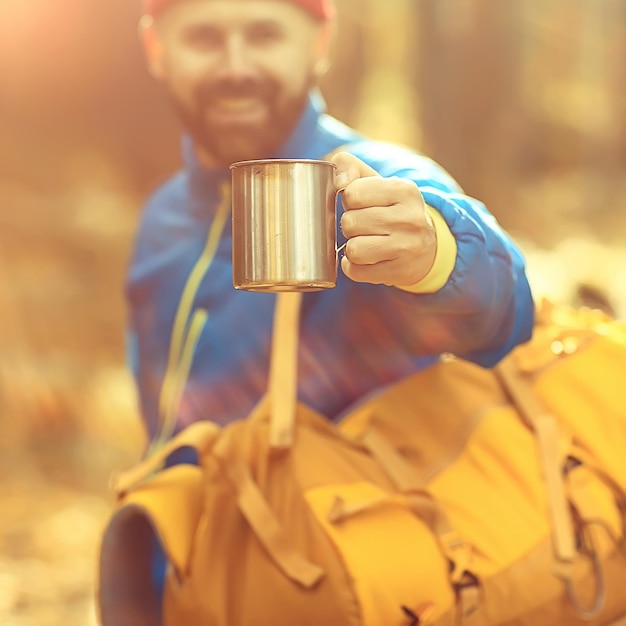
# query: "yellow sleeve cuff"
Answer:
x=445 y=258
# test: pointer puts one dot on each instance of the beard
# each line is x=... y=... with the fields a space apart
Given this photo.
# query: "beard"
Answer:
x=231 y=142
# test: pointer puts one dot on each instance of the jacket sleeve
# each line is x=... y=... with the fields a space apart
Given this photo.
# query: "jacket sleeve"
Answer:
x=485 y=308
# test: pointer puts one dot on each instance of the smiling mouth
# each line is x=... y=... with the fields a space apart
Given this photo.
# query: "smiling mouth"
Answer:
x=246 y=109
x=237 y=104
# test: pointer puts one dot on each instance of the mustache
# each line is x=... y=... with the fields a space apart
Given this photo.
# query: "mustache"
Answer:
x=229 y=88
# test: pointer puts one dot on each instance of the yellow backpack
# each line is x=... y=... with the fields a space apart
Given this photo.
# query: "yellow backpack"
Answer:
x=459 y=496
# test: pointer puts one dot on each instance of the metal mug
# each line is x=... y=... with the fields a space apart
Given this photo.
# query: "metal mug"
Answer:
x=284 y=225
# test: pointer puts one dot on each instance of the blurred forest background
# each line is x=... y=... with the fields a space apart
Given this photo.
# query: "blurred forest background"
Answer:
x=522 y=100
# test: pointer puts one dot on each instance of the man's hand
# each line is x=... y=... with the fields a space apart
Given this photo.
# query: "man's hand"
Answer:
x=391 y=237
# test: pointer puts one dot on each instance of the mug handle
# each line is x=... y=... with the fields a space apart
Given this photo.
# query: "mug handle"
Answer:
x=345 y=243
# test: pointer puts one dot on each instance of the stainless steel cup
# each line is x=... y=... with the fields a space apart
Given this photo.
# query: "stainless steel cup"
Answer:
x=284 y=225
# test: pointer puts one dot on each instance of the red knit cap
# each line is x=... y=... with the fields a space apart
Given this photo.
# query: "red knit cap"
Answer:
x=322 y=9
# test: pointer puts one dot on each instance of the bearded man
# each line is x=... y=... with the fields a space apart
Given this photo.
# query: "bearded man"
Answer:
x=426 y=269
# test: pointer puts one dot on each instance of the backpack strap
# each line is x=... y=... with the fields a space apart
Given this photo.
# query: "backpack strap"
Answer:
x=546 y=430
x=262 y=520
x=552 y=459
x=283 y=385
x=198 y=436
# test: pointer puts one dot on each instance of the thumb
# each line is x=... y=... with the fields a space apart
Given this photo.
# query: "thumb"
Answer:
x=349 y=169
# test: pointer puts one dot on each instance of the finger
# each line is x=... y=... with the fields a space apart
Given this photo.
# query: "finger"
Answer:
x=405 y=219
x=390 y=272
x=369 y=250
x=377 y=274
x=350 y=168
x=367 y=221
x=385 y=192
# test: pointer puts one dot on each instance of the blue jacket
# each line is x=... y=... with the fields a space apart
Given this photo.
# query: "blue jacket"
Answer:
x=200 y=349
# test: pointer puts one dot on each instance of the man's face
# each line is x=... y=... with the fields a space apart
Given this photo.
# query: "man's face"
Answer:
x=239 y=72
